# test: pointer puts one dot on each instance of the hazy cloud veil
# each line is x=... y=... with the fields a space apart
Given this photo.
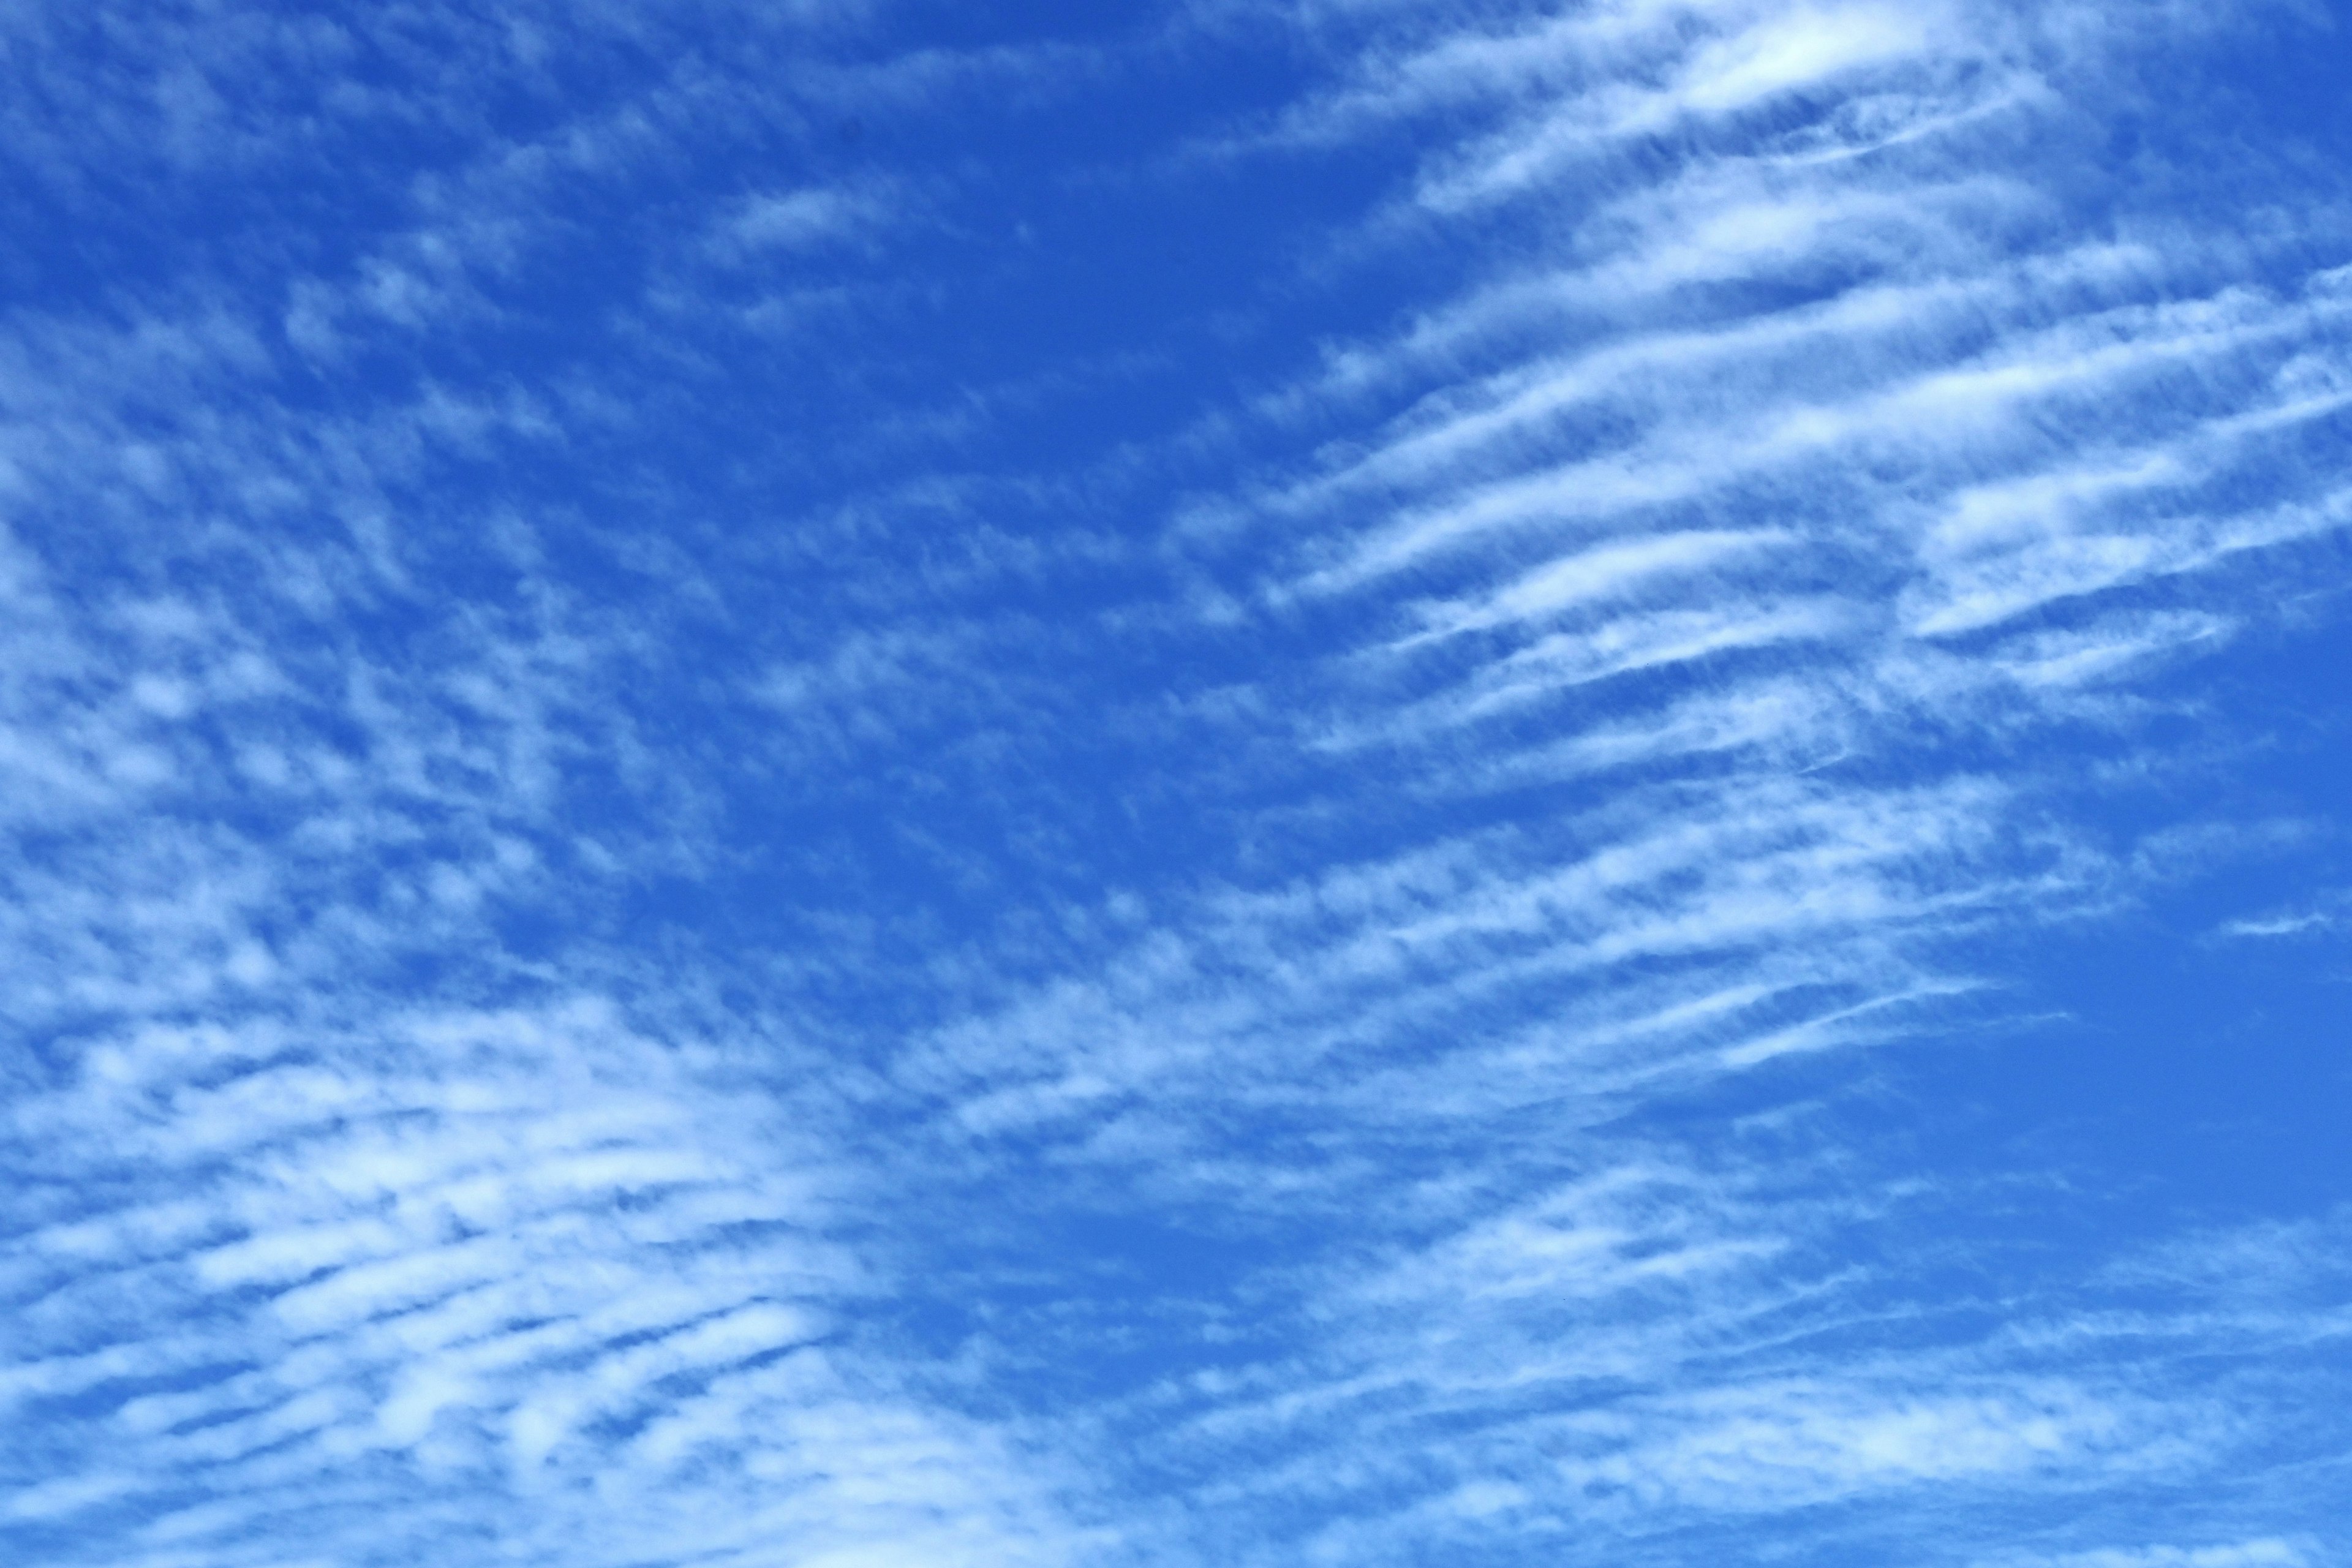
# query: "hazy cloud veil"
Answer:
x=1353 y=782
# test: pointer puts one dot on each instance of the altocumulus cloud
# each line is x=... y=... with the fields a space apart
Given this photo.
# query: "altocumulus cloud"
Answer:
x=1349 y=783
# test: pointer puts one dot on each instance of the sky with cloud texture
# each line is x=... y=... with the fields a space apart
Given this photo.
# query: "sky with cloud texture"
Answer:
x=1204 y=783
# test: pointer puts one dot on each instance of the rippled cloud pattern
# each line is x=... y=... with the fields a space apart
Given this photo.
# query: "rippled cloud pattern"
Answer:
x=843 y=783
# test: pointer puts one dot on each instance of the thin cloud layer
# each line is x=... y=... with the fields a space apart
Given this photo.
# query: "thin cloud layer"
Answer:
x=1347 y=785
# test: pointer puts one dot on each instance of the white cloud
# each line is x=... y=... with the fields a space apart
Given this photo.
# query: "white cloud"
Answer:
x=1692 y=584
x=805 y=220
x=2271 y=1551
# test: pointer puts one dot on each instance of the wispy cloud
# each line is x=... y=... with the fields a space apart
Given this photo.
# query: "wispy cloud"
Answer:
x=527 y=1255
x=1722 y=533
x=628 y=944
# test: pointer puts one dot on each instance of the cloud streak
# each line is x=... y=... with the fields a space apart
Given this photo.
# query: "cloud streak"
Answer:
x=652 y=919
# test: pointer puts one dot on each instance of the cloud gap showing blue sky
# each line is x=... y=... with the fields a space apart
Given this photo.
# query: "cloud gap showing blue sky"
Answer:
x=1348 y=782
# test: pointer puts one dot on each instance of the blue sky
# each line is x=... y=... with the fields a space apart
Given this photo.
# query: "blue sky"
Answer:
x=854 y=784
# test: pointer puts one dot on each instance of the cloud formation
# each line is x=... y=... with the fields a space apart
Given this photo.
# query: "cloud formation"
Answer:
x=711 y=861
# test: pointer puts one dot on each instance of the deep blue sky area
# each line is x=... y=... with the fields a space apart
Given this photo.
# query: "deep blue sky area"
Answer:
x=854 y=784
